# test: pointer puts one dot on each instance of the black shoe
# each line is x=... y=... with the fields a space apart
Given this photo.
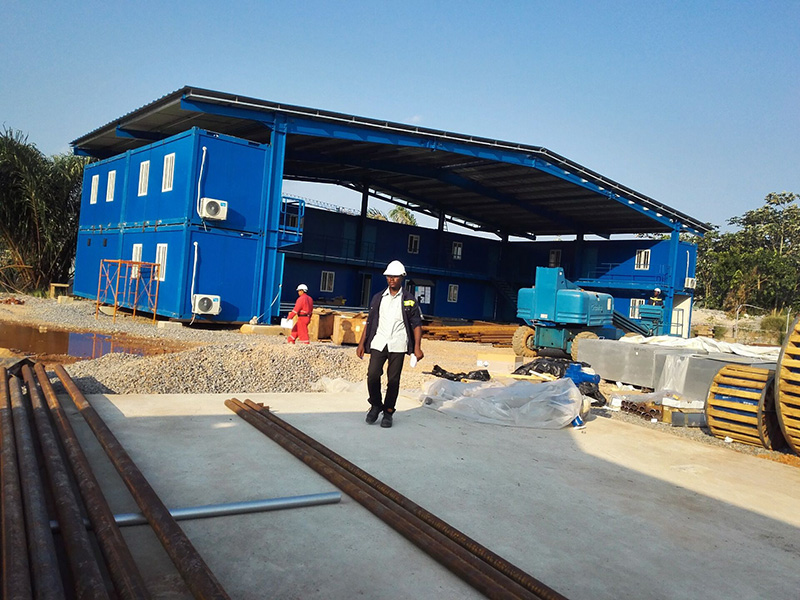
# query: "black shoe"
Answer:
x=386 y=421
x=373 y=413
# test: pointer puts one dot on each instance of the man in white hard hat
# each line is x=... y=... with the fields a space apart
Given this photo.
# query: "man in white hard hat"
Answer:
x=303 y=309
x=393 y=329
x=657 y=299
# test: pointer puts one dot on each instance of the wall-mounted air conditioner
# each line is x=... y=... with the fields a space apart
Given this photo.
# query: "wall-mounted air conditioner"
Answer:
x=206 y=304
x=211 y=208
x=690 y=283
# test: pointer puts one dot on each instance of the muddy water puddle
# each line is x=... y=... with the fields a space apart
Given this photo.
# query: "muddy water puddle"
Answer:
x=25 y=340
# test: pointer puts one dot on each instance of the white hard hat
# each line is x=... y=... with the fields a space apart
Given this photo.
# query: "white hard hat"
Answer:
x=303 y=287
x=658 y=290
x=395 y=269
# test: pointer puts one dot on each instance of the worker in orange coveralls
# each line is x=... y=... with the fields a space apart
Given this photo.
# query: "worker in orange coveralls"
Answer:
x=303 y=309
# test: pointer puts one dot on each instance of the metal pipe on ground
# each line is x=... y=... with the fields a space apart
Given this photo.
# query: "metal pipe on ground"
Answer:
x=481 y=576
x=16 y=579
x=229 y=509
x=194 y=570
x=86 y=574
x=41 y=546
x=508 y=569
x=128 y=581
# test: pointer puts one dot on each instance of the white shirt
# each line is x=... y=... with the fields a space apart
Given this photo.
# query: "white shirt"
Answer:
x=391 y=328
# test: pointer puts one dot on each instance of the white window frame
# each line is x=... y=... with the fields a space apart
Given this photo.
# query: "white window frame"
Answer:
x=326 y=281
x=136 y=256
x=95 y=186
x=413 y=243
x=554 y=260
x=168 y=174
x=678 y=322
x=161 y=259
x=457 y=250
x=634 y=310
x=642 y=261
x=111 y=184
x=423 y=293
x=144 y=177
x=452 y=292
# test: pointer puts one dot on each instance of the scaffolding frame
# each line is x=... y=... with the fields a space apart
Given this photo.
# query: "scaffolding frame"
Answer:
x=140 y=280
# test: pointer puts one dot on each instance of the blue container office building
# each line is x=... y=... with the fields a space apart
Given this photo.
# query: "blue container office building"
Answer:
x=202 y=206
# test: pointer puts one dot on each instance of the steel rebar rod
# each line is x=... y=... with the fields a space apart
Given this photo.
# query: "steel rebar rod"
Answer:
x=86 y=574
x=124 y=573
x=16 y=579
x=461 y=562
x=228 y=509
x=187 y=560
x=496 y=561
x=41 y=545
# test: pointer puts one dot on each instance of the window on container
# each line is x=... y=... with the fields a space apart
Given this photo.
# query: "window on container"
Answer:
x=635 y=304
x=144 y=177
x=452 y=293
x=161 y=259
x=555 y=258
x=413 y=244
x=95 y=185
x=136 y=256
x=169 y=173
x=423 y=294
x=677 y=322
x=112 y=182
x=642 y=260
x=457 y=246
x=326 y=281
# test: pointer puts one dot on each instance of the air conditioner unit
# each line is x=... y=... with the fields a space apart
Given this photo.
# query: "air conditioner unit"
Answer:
x=206 y=304
x=690 y=283
x=211 y=208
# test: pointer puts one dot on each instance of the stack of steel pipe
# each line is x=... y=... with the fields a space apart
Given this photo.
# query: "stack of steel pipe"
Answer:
x=45 y=476
x=643 y=409
x=480 y=567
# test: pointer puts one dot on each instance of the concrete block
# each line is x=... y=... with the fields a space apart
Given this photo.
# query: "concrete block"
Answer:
x=65 y=299
x=169 y=325
x=263 y=329
x=499 y=363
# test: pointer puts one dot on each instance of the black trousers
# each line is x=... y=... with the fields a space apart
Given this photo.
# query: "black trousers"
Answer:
x=377 y=358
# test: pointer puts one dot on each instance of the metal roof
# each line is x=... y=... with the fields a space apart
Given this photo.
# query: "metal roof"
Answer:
x=492 y=185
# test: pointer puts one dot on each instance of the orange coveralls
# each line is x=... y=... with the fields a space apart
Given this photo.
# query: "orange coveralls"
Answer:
x=303 y=309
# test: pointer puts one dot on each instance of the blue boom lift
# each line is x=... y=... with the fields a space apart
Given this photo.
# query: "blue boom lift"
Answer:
x=557 y=314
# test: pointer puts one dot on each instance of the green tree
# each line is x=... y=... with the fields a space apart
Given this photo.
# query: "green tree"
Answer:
x=400 y=214
x=39 y=206
x=759 y=264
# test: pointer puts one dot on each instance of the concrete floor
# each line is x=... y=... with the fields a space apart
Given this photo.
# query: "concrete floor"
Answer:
x=613 y=511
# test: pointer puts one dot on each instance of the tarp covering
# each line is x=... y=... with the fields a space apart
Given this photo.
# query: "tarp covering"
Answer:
x=548 y=405
x=706 y=344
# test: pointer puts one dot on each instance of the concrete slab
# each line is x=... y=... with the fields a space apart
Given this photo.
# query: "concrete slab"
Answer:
x=263 y=329
x=613 y=511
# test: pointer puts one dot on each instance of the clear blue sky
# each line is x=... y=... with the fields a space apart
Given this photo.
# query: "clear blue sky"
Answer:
x=696 y=104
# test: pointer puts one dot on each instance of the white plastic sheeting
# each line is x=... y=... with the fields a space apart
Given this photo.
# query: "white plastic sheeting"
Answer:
x=706 y=344
x=548 y=405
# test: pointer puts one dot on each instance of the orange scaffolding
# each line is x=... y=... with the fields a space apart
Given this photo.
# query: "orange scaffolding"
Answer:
x=127 y=283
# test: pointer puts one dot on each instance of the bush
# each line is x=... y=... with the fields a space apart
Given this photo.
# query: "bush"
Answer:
x=774 y=323
x=720 y=331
